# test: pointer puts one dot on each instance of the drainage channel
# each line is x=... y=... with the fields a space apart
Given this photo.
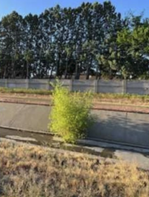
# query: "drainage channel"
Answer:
x=141 y=159
x=48 y=141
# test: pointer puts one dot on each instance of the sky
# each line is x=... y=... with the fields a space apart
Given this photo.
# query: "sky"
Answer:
x=24 y=7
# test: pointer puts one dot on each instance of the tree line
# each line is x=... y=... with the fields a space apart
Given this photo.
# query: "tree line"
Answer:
x=92 y=39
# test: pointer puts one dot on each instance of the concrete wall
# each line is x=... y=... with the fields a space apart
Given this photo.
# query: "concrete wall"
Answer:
x=120 y=127
x=99 y=86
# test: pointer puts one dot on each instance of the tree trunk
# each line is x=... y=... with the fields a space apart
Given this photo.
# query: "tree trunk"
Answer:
x=87 y=72
x=27 y=70
x=66 y=70
x=76 y=71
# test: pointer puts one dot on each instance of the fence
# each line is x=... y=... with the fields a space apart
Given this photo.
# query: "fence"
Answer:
x=98 y=86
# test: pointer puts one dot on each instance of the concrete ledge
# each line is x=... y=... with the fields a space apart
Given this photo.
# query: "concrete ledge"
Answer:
x=25 y=130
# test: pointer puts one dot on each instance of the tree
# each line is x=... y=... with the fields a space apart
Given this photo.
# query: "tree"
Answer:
x=134 y=50
x=90 y=39
x=28 y=57
x=11 y=40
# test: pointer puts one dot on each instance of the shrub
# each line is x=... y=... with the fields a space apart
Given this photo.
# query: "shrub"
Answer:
x=70 y=115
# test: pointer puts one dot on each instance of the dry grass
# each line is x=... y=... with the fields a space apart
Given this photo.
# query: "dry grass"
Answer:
x=97 y=96
x=32 y=171
x=25 y=91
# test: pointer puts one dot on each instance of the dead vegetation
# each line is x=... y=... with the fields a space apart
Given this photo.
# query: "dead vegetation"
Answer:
x=33 y=171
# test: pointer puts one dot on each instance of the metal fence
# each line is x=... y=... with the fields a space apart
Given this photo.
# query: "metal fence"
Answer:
x=98 y=86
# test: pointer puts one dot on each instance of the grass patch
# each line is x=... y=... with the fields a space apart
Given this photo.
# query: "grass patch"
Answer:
x=122 y=96
x=96 y=96
x=25 y=91
x=27 y=171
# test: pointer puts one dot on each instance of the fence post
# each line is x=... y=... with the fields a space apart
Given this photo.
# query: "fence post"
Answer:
x=27 y=83
x=124 y=86
x=96 y=86
x=71 y=85
x=48 y=85
x=6 y=83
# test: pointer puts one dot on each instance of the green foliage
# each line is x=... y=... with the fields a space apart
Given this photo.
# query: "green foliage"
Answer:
x=68 y=43
x=91 y=39
x=70 y=116
x=134 y=50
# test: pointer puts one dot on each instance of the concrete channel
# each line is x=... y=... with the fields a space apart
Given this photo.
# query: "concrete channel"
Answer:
x=112 y=126
x=28 y=123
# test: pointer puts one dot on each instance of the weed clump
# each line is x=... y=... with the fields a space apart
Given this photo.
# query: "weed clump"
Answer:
x=70 y=115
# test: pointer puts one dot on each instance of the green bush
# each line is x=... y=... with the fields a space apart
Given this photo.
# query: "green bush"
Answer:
x=70 y=115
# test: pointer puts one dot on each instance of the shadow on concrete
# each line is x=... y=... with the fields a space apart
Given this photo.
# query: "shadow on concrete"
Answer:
x=121 y=127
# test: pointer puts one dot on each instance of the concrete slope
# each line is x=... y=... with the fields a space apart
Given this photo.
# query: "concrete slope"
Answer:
x=118 y=127
x=22 y=116
x=124 y=127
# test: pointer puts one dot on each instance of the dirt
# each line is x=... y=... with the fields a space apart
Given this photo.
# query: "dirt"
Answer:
x=128 y=105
